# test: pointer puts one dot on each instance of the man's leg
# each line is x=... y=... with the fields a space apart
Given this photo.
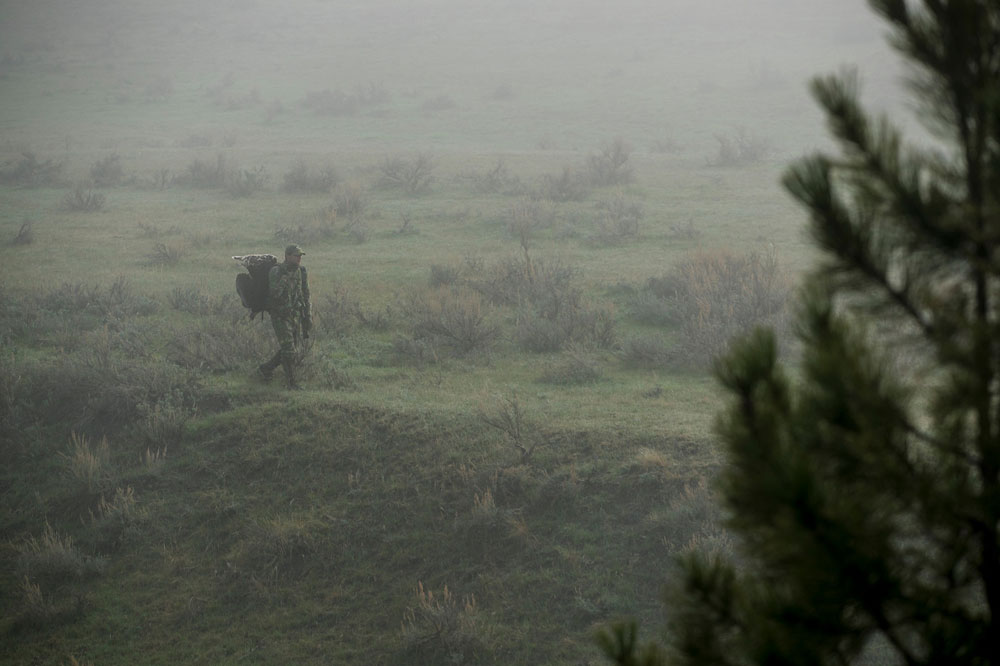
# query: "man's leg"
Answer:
x=266 y=369
x=284 y=329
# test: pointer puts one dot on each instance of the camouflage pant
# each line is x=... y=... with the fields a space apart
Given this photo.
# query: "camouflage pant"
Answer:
x=288 y=330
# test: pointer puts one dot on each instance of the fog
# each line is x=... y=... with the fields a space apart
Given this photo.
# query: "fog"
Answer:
x=497 y=201
x=492 y=75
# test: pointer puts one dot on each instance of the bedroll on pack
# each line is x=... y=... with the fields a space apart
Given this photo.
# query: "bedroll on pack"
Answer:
x=252 y=285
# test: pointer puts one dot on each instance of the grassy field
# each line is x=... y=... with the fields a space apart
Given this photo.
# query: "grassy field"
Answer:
x=506 y=432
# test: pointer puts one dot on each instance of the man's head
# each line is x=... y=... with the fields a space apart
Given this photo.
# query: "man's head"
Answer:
x=293 y=254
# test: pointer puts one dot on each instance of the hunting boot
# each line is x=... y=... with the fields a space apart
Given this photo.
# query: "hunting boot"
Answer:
x=289 y=367
x=266 y=370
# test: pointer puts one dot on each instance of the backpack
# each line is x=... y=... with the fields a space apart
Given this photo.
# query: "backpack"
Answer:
x=252 y=286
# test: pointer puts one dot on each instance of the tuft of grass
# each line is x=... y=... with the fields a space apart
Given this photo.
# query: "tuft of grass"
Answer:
x=443 y=625
x=51 y=559
x=118 y=519
x=25 y=234
x=575 y=369
x=82 y=200
x=88 y=464
x=164 y=254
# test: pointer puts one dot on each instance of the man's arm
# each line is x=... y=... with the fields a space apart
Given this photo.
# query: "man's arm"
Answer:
x=306 y=304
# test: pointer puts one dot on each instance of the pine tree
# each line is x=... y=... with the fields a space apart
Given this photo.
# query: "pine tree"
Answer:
x=864 y=482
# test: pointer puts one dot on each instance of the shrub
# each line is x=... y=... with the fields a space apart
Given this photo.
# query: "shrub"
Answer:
x=496 y=180
x=569 y=185
x=247 y=182
x=515 y=281
x=338 y=312
x=321 y=226
x=505 y=414
x=191 y=300
x=220 y=344
x=102 y=385
x=71 y=297
x=301 y=179
x=206 y=175
x=419 y=352
x=357 y=230
x=412 y=176
x=438 y=103
x=648 y=352
x=619 y=218
x=163 y=254
x=686 y=231
x=524 y=218
x=552 y=312
x=406 y=227
x=719 y=295
x=340 y=309
x=29 y=171
x=611 y=166
x=549 y=328
x=652 y=308
x=740 y=149
x=341 y=103
x=454 y=319
x=538 y=334
x=120 y=301
x=444 y=276
x=115 y=303
x=233 y=101
x=350 y=201
x=107 y=171
x=84 y=201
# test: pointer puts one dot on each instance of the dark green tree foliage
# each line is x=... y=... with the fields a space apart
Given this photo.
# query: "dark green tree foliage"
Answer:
x=865 y=486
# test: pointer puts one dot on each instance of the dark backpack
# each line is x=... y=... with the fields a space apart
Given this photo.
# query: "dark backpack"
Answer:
x=252 y=286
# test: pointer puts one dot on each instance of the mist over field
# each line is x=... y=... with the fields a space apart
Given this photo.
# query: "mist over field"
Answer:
x=529 y=228
x=495 y=75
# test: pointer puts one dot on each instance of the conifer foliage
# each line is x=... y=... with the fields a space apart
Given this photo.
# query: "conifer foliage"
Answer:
x=865 y=485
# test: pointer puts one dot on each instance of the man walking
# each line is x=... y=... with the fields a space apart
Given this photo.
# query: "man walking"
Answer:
x=291 y=313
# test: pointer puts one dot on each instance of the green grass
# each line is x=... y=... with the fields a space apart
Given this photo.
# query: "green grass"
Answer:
x=272 y=527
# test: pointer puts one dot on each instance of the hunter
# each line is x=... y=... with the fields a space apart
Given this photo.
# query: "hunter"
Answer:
x=291 y=314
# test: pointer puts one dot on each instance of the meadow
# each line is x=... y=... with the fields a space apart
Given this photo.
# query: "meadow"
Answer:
x=529 y=227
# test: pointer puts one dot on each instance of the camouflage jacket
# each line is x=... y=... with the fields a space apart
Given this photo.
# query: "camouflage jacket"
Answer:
x=288 y=292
